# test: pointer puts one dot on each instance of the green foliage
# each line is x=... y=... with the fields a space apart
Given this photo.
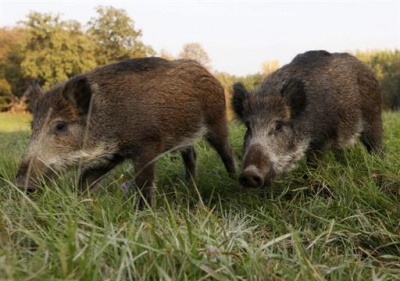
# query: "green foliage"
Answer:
x=54 y=49
x=51 y=50
x=340 y=222
x=11 y=56
x=386 y=66
x=5 y=94
x=227 y=80
x=250 y=81
x=115 y=36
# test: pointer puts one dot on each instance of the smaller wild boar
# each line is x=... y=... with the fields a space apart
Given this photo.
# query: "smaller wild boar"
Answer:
x=319 y=100
x=135 y=109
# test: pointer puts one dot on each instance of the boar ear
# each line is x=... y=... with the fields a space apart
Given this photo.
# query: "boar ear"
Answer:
x=78 y=91
x=240 y=94
x=295 y=95
x=33 y=94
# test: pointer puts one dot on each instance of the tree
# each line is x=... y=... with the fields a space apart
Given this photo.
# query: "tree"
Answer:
x=227 y=80
x=386 y=67
x=269 y=66
x=115 y=36
x=5 y=94
x=195 y=52
x=166 y=55
x=54 y=49
x=11 y=56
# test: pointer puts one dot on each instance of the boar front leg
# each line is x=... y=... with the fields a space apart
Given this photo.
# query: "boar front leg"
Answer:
x=144 y=170
x=221 y=145
x=91 y=175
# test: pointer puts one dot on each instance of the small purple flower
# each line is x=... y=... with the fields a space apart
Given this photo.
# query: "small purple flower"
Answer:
x=125 y=186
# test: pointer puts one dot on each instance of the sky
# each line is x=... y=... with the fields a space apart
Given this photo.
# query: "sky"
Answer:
x=240 y=35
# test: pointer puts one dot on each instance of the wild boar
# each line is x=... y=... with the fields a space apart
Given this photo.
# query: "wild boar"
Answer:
x=317 y=101
x=135 y=109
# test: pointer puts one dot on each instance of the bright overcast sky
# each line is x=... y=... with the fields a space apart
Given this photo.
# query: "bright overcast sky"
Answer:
x=240 y=35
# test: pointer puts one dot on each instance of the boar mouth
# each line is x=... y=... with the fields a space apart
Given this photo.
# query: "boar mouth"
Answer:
x=29 y=181
x=27 y=185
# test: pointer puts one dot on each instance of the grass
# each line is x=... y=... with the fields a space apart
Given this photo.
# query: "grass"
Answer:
x=11 y=122
x=341 y=222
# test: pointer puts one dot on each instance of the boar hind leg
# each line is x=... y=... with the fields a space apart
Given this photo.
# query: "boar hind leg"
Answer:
x=371 y=137
x=189 y=160
x=218 y=138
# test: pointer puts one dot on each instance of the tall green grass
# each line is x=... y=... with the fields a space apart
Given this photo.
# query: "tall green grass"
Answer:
x=338 y=222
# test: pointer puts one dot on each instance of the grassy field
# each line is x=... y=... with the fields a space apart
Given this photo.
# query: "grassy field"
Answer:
x=341 y=222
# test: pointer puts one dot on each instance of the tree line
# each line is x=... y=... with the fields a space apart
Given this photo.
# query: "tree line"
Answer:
x=48 y=49
x=386 y=66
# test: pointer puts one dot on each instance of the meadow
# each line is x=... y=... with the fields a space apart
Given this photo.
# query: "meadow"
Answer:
x=340 y=221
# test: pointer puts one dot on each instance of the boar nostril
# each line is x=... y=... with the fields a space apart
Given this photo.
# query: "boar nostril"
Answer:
x=258 y=181
x=250 y=179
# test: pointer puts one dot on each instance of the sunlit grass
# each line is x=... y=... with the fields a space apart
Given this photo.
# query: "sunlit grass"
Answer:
x=340 y=222
x=11 y=122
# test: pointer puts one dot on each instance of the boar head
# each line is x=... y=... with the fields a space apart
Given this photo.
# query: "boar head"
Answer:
x=274 y=139
x=59 y=128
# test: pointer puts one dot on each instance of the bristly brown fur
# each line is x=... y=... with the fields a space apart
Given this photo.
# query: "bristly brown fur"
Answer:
x=332 y=99
x=139 y=107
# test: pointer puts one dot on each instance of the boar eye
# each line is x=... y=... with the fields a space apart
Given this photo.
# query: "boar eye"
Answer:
x=278 y=126
x=60 y=127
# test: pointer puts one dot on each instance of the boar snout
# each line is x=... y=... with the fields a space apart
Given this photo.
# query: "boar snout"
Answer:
x=257 y=168
x=254 y=177
x=23 y=180
x=251 y=177
x=31 y=173
x=25 y=184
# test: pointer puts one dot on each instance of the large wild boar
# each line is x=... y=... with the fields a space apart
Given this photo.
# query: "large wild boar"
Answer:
x=319 y=100
x=135 y=109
